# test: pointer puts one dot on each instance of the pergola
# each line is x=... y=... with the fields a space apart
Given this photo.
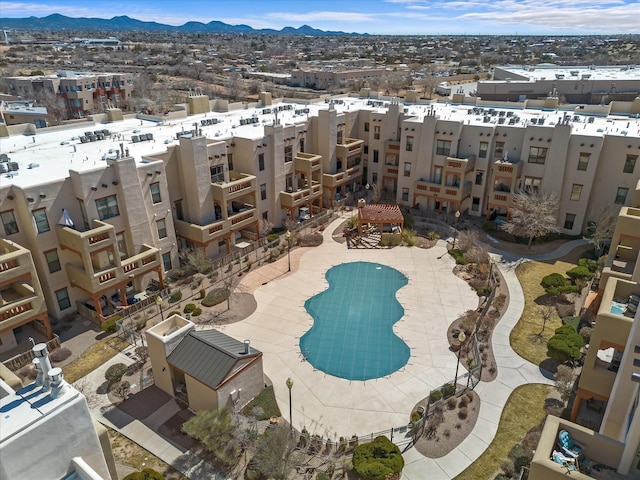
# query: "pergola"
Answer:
x=380 y=214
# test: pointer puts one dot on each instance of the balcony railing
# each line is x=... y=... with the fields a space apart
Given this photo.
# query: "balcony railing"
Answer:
x=204 y=234
x=340 y=178
x=460 y=165
x=301 y=197
x=100 y=235
x=307 y=162
x=239 y=185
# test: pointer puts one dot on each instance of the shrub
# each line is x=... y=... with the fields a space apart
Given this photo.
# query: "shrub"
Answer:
x=462 y=413
x=272 y=237
x=579 y=273
x=415 y=417
x=189 y=307
x=458 y=255
x=435 y=395
x=591 y=265
x=115 y=372
x=196 y=312
x=175 y=296
x=585 y=333
x=60 y=354
x=216 y=296
x=451 y=402
x=448 y=389
x=508 y=467
x=202 y=293
x=553 y=281
x=146 y=474
x=377 y=460
x=109 y=325
x=408 y=237
x=433 y=235
x=488 y=226
x=172 y=313
x=565 y=345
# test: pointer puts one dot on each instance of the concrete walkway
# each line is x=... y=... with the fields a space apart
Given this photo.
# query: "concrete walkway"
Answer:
x=332 y=406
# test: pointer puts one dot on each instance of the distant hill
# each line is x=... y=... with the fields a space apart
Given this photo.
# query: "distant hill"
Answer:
x=57 y=22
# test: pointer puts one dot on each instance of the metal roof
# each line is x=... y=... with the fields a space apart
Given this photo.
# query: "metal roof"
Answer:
x=209 y=356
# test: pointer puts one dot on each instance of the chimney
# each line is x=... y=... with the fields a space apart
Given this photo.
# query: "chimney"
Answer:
x=39 y=376
x=42 y=355
x=247 y=347
x=57 y=382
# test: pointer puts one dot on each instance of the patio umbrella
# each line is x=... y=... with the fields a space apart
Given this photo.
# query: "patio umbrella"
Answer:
x=66 y=219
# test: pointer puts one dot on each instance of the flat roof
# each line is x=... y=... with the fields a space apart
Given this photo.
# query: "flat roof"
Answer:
x=551 y=72
x=29 y=405
x=51 y=154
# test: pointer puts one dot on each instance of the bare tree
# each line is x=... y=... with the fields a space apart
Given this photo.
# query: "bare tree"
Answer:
x=563 y=379
x=122 y=390
x=55 y=106
x=234 y=85
x=265 y=227
x=600 y=229
x=195 y=260
x=376 y=191
x=533 y=215
x=275 y=453
x=545 y=312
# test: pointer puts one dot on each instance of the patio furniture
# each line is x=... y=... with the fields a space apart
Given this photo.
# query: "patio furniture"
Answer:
x=567 y=462
x=568 y=446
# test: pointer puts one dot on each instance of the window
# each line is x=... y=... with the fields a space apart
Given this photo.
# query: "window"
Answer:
x=479 y=177
x=122 y=245
x=405 y=194
x=375 y=156
x=263 y=191
x=475 y=204
x=376 y=132
x=499 y=150
x=265 y=216
x=166 y=261
x=407 y=169
x=443 y=147
x=301 y=145
x=288 y=182
x=161 y=225
x=53 y=261
x=230 y=161
x=409 y=144
x=537 y=155
x=621 y=195
x=9 y=222
x=288 y=154
x=366 y=126
x=340 y=137
x=531 y=184
x=365 y=149
x=576 y=190
x=107 y=207
x=40 y=217
x=568 y=221
x=437 y=175
x=583 y=161
x=261 y=162
x=630 y=164
x=179 y=212
x=83 y=212
x=63 y=299
x=217 y=173
x=374 y=177
x=155 y=193
x=484 y=147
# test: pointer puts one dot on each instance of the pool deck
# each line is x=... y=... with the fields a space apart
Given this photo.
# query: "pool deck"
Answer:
x=434 y=297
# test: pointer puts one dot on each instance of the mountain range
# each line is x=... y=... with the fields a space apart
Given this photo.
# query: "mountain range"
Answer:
x=124 y=23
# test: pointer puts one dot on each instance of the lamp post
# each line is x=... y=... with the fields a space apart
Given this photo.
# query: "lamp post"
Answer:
x=455 y=231
x=159 y=304
x=290 y=386
x=288 y=235
x=461 y=338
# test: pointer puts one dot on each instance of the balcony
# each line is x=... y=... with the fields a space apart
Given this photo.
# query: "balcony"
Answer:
x=15 y=261
x=352 y=174
x=350 y=147
x=19 y=303
x=456 y=192
x=99 y=236
x=239 y=184
x=598 y=448
x=500 y=199
x=507 y=169
x=201 y=234
x=307 y=163
x=390 y=170
x=111 y=276
x=460 y=166
x=427 y=188
x=302 y=197
x=624 y=258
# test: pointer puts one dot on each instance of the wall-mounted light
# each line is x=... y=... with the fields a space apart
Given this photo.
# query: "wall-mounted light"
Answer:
x=114 y=182
x=628 y=146
x=591 y=145
x=504 y=134
x=104 y=185
x=43 y=195
x=29 y=199
x=531 y=139
x=540 y=139
x=95 y=189
x=582 y=144
x=264 y=144
x=158 y=172
x=10 y=197
x=149 y=174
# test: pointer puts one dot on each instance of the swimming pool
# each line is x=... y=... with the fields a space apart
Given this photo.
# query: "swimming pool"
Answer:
x=352 y=335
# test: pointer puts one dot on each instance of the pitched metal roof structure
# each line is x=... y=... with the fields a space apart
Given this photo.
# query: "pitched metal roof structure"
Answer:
x=210 y=356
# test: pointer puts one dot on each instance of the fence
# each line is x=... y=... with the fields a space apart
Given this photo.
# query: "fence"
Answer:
x=17 y=362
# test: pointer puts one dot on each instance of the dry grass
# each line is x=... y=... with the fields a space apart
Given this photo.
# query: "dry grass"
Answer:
x=93 y=357
x=526 y=339
x=130 y=453
x=523 y=411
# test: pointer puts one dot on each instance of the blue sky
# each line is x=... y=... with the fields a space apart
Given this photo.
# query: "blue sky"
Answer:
x=401 y=17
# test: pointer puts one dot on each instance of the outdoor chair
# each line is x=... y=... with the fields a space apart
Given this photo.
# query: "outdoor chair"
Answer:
x=567 y=462
x=568 y=446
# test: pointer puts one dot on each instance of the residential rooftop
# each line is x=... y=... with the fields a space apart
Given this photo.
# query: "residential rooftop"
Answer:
x=555 y=72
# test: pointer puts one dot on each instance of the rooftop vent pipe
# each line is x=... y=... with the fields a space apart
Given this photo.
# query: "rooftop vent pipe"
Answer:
x=57 y=382
x=42 y=355
x=247 y=347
